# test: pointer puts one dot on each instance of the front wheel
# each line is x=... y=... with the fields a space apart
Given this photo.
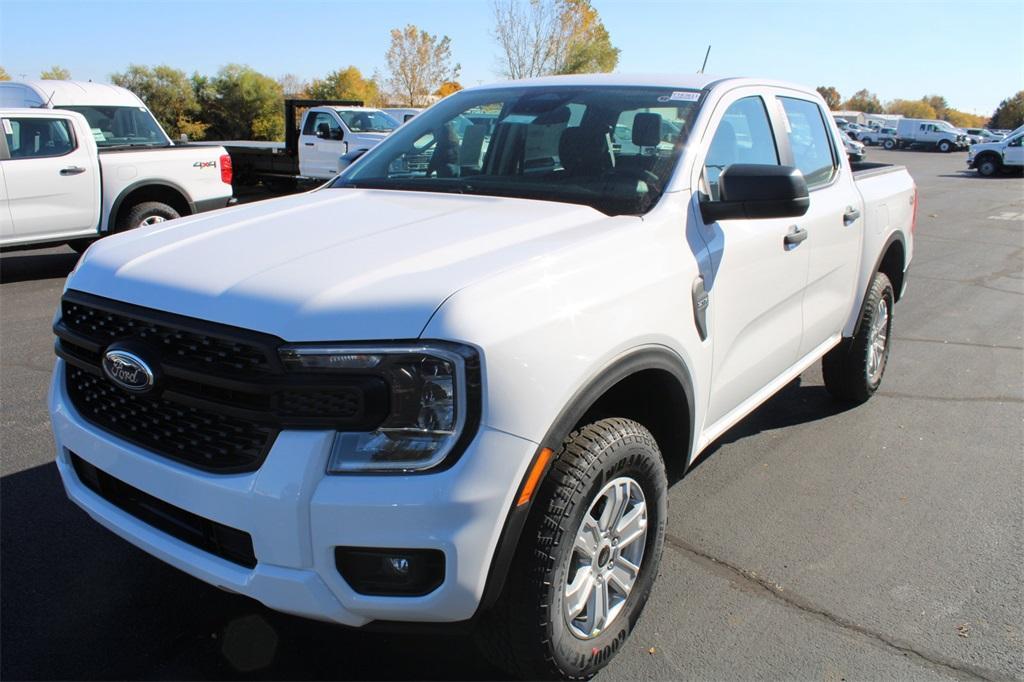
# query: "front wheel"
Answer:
x=588 y=556
x=853 y=370
x=988 y=166
x=889 y=144
x=945 y=146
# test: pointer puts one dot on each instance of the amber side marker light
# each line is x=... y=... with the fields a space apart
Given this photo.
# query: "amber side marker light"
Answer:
x=534 y=478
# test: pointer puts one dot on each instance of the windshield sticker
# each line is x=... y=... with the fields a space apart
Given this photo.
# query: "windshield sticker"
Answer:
x=7 y=127
x=98 y=135
x=685 y=96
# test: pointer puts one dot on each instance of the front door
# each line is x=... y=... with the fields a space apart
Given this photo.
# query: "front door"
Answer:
x=321 y=144
x=51 y=178
x=1013 y=155
x=757 y=282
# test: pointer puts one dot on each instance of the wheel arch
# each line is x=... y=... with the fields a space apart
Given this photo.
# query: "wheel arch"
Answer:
x=164 y=191
x=651 y=385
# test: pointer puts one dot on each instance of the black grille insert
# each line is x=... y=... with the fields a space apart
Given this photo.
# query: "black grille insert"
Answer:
x=228 y=543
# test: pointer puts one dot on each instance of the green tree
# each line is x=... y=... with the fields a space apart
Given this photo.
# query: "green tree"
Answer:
x=347 y=84
x=864 y=101
x=55 y=73
x=1010 y=113
x=240 y=103
x=4 y=76
x=911 y=108
x=830 y=95
x=418 y=63
x=167 y=92
x=543 y=37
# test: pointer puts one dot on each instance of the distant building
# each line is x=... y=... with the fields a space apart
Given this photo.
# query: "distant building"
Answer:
x=850 y=116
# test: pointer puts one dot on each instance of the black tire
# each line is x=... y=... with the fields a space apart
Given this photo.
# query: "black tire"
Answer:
x=80 y=245
x=867 y=141
x=142 y=212
x=847 y=367
x=527 y=631
x=889 y=144
x=945 y=146
x=988 y=165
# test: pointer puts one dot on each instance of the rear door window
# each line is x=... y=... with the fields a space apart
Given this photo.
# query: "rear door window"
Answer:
x=34 y=138
x=813 y=152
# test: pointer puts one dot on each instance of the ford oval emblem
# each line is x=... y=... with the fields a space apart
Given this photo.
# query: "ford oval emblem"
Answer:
x=128 y=371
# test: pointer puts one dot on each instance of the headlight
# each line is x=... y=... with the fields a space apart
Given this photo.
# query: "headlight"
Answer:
x=433 y=405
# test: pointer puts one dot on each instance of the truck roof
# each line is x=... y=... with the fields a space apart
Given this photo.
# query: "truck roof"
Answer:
x=65 y=93
x=691 y=81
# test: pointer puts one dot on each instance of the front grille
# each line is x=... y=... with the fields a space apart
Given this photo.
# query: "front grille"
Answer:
x=200 y=437
x=221 y=394
x=216 y=538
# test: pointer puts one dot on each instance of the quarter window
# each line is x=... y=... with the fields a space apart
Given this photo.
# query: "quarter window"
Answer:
x=34 y=138
x=743 y=136
x=813 y=153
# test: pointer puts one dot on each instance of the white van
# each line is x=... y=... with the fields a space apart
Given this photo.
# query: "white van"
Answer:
x=929 y=133
x=144 y=176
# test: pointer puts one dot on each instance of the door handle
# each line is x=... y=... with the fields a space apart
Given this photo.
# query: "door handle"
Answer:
x=72 y=170
x=309 y=144
x=851 y=215
x=796 y=235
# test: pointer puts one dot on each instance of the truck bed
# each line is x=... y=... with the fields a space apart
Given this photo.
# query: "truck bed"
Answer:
x=866 y=169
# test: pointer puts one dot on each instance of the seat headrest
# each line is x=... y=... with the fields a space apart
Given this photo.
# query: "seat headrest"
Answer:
x=646 y=129
x=584 y=151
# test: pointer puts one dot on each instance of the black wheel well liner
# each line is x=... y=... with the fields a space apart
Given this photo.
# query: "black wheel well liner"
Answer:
x=147 y=190
x=650 y=385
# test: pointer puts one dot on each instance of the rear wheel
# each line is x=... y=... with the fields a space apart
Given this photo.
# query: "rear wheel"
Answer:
x=588 y=557
x=853 y=370
x=988 y=166
x=145 y=213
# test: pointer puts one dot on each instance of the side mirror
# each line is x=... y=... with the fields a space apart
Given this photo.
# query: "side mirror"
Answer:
x=347 y=160
x=337 y=134
x=757 y=191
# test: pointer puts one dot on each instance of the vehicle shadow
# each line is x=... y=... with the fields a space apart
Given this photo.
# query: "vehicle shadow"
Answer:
x=794 y=404
x=21 y=266
x=80 y=603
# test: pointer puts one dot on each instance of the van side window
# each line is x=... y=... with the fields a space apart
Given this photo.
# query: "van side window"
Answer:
x=35 y=138
x=809 y=139
x=744 y=135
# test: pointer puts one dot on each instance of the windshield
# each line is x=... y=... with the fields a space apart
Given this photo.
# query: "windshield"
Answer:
x=368 y=121
x=122 y=126
x=612 y=148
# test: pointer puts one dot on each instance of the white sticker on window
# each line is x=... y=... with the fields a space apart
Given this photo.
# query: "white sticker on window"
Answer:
x=7 y=127
x=685 y=96
x=98 y=135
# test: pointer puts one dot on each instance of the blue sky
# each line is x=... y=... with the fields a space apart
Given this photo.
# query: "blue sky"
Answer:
x=970 y=52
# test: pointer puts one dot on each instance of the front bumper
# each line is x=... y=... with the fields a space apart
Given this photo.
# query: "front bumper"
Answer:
x=297 y=515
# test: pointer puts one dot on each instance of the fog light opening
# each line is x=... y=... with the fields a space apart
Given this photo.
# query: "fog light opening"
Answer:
x=390 y=572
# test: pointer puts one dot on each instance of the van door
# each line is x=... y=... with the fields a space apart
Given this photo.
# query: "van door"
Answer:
x=321 y=144
x=52 y=178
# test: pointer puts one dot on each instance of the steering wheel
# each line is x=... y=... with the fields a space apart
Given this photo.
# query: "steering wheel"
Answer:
x=647 y=177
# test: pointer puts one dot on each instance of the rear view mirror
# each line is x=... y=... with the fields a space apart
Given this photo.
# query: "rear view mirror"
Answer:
x=758 y=191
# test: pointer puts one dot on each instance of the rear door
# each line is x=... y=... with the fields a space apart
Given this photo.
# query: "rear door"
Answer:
x=321 y=144
x=52 y=177
x=834 y=221
x=757 y=282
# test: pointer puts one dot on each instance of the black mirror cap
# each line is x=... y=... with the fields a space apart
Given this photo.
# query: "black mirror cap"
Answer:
x=758 y=191
x=348 y=159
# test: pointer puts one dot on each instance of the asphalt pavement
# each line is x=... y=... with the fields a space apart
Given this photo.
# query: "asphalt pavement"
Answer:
x=811 y=542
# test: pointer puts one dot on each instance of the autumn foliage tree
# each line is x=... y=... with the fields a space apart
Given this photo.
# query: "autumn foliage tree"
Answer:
x=543 y=37
x=830 y=95
x=4 y=76
x=55 y=73
x=911 y=108
x=865 y=101
x=418 y=64
x=448 y=88
x=348 y=83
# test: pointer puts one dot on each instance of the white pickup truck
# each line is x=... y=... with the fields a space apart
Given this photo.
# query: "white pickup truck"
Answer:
x=991 y=158
x=108 y=168
x=446 y=392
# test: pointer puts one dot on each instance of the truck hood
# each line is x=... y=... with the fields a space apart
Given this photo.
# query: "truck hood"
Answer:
x=367 y=140
x=333 y=264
